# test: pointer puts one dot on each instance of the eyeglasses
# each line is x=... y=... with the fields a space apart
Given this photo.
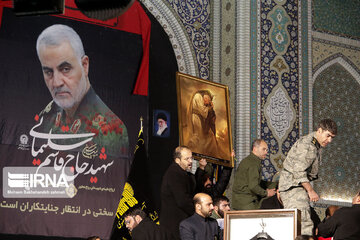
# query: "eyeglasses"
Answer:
x=128 y=221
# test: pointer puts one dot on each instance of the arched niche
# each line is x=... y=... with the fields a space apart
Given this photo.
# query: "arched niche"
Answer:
x=336 y=95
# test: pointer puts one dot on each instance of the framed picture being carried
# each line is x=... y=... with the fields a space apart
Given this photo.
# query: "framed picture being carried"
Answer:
x=277 y=224
x=204 y=119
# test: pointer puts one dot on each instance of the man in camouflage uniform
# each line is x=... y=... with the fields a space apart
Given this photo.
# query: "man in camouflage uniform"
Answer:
x=300 y=167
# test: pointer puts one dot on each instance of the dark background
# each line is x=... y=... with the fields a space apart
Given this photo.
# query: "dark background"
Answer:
x=162 y=87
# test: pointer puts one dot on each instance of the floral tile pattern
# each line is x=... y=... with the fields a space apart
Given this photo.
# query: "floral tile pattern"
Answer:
x=278 y=79
x=195 y=16
x=337 y=96
x=337 y=17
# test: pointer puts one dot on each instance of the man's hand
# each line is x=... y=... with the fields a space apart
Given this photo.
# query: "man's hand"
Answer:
x=271 y=192
x=202 y=163
x=210 y=105
x=314 y=197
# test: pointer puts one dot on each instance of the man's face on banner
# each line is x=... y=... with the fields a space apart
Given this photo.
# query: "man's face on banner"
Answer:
x=65 y=76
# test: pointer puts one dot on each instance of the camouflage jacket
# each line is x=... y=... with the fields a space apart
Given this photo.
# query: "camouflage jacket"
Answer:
x=301 y=164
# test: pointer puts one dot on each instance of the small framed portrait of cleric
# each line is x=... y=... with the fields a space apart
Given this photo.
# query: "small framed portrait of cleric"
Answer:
x=204 y=119
x=161 y=121
x=279 y=224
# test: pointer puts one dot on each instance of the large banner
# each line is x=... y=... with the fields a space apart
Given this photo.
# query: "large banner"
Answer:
x=68 y=120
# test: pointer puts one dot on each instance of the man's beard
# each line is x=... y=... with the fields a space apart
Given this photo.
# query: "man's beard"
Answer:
x=221 y=213
x=76 y=95
x=206 y=213
x=161 y=129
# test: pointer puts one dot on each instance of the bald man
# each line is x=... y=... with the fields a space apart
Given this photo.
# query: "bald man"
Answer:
x=200 y=226
x=247 y=189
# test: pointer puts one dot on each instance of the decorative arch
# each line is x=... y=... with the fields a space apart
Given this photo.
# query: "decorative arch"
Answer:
x=323 y=65
x=343 y=61
x=335 y=89
x=174 y=29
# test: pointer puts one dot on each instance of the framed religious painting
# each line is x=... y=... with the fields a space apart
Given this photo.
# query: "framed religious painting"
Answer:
x=279 y=224
x=204 y=119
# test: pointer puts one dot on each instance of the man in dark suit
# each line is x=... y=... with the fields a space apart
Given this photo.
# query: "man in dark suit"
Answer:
x=200 y=226
x=205 y=185
x=344 y=224
x=141 y=227
x=177 y=191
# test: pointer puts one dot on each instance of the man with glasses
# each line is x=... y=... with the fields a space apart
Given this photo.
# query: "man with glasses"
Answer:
x=177 y=191
x=141 y=227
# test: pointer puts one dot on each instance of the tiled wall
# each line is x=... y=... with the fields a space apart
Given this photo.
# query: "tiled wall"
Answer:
x=336 y=94
x=277 y=57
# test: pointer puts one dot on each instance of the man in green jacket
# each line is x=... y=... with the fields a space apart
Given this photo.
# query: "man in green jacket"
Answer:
x=247 y=191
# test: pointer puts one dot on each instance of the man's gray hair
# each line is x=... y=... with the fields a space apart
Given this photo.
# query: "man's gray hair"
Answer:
x=56 y=35
x=178 y=150
x=256 y=143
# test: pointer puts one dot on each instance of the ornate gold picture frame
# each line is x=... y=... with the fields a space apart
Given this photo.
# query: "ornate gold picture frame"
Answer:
x=279 y=224
x=204 y=119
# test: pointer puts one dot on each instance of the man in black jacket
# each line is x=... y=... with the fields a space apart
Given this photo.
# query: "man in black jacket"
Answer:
x=141 y=227
x=201 y=226
x=344 y=224
x=204 y=183
x=177 y=191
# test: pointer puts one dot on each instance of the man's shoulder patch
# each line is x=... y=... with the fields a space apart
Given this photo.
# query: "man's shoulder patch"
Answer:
x=315 y=142
x=47 y=108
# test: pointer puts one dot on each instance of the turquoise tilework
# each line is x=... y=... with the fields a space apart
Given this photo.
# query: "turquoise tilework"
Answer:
x=195 y=16
x=339 y=17
x=337 y=96
x=269 y=78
